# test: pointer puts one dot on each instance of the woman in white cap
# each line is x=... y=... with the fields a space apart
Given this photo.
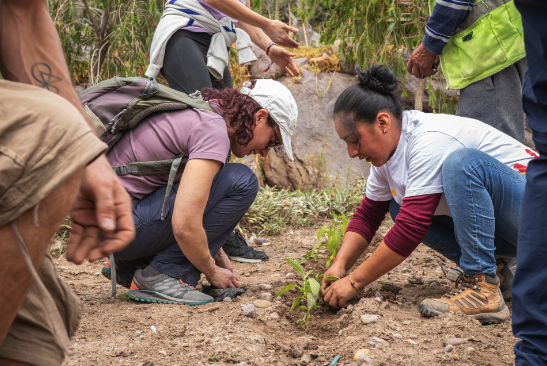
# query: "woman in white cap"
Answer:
x=208 y=199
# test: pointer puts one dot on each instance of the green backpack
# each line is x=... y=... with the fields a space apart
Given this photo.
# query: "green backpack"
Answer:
x=119 y=104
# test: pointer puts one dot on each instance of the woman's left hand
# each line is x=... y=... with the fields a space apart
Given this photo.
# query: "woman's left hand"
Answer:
x=222 y=260
x=339 y=293
x=284 y=58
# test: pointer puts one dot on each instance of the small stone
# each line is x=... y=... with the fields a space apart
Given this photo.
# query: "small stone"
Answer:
x=362 y=351
x=289 y=275
x=416 y=280
x=265 y=286
x=469 y=350
x=449 y=348
x=372 y=344
x=434 y=284
x=295 y=351
x=363 y=359
x=376 y=339
x=279 y=298
x=227 y=299
x=303 y=342
x=395 y=279
x=429 y=281
x=163 y=353
x=306 y=359
x=456 y=357
x=369 y=319
x=396 y=335
x=378 y=299
x=455 y=341
x=242 y=364
x=407 y=322
x=407 y=270
x=413 y=336
x=262 y=304
x=274 y=315
x=265 y=296
x=249 y=310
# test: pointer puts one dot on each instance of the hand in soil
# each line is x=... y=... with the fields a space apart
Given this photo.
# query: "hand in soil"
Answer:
x=334 y=270
x=222 y=278
x=339 y=293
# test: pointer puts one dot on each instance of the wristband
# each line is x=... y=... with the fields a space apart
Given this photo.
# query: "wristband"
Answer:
x=269 y=45
x=353 y=284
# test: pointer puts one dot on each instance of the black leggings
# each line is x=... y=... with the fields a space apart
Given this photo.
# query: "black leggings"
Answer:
x=185 y=63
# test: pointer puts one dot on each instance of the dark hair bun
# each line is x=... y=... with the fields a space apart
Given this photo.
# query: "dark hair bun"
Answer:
x=378 y=78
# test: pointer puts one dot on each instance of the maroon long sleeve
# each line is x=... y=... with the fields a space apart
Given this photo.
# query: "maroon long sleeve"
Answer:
x=412 y=223
x=368 y=218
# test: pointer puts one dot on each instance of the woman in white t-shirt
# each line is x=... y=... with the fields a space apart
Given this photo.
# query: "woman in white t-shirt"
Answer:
x=453 y=183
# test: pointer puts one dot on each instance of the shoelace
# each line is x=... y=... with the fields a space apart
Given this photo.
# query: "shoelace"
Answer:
x=463 y=282
x=184 y=284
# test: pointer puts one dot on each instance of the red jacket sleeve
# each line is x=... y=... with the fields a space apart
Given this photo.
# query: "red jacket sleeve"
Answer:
x=368 y=218
x=412 y=223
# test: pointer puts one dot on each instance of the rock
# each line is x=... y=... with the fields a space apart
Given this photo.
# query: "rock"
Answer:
x=265 y=296
x=455 y=341
x=372 y=344
x=407 y=322
x=274 y=315
x=265 y=286
x=376 y=339
x=368 y=319
x=416 y=280
x=262 y=63
x=469 y=350
x=362 y=351
x=363 y=359
x=249 y=310
x=227 y=299
x=289 y=275
x=434 y=284
x=412 y=336
x=407 y=270
x=306 y=359
x=449 y=348
x=453 y=273
x=279 y=298
x=314 y=136
x=378 y=299
x=262 y=303
x=295 y=351
x=303 y=342
x=242 y=364
x=396 y=335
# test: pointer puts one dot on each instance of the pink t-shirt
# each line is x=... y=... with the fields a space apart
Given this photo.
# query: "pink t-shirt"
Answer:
x=195 y=133
x=215 y=13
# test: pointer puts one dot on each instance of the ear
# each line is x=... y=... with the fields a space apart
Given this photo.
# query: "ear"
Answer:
x=261 y=116
x=383 y=122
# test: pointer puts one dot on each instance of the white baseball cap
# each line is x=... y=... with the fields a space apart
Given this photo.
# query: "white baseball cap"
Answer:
x=277 y=99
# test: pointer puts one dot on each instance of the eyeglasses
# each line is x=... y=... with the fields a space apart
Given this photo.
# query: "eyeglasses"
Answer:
x=277 y=142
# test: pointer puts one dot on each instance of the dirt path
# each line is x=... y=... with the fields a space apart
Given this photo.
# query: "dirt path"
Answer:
x=120 y=331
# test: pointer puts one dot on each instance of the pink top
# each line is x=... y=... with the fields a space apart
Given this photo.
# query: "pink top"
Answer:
x=215 y=13
x=195 y=133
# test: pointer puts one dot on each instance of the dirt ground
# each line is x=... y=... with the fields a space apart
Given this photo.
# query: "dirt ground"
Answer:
x=119 y=331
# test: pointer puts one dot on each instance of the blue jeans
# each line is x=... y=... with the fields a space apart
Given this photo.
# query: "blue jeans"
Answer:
x=529 y=290
x=484 y=197
x=233 y=191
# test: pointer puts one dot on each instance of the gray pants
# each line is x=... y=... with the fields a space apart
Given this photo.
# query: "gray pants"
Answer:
x=497 y=101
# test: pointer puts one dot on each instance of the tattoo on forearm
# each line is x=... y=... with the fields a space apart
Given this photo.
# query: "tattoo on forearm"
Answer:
x=41 y=72
x=258 y=36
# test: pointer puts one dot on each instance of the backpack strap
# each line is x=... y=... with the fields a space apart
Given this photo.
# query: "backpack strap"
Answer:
x=172 y=174
x=157 y=167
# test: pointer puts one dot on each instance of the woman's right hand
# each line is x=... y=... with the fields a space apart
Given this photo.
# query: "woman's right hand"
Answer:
x=222 y=278
x=276 y=31
x=337 y=270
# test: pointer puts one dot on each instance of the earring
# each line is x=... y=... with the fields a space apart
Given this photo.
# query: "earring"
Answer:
x=385 y=131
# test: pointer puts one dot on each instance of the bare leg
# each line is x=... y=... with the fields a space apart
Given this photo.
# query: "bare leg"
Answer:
x=52 y=210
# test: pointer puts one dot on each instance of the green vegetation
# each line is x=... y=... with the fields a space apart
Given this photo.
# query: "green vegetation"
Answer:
x=310 y=291
x=334 y=233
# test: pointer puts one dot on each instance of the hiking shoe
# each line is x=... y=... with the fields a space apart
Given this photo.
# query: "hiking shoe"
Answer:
x=504 y=273
x=237 y=249
x=123 y=273
x=150 y=285
x=477 y=296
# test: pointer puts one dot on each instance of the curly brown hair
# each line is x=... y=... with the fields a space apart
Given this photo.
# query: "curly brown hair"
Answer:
x=239 y=109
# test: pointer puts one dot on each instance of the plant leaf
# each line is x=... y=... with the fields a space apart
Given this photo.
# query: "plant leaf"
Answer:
x=308 y=273
x=287 y=288
x=296 y=266
x=330 y=278
x=322 y=231
x=295 y=302
x=314 y=286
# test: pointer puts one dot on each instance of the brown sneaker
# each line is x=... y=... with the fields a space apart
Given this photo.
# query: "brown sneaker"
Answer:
x=478 y=296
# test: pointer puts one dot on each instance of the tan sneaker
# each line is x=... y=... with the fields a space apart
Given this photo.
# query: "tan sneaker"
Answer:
x=478 y=296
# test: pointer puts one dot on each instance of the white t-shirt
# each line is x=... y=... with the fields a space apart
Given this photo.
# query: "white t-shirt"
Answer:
x=426 y=141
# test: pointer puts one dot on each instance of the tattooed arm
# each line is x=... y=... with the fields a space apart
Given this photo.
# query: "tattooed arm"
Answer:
x=31 y=53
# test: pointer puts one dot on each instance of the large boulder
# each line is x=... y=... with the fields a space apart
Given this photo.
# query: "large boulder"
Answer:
x=320 y=155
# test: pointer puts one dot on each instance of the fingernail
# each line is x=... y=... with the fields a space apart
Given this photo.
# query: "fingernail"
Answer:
x=108 y=224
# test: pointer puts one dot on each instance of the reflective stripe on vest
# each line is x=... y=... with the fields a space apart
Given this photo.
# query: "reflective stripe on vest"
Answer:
x=489 y=40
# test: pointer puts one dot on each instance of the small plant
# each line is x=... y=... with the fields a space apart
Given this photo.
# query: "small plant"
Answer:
x=335 y=233
x=310 y=291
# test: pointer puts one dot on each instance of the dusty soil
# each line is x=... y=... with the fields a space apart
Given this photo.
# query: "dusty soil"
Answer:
x=119 y=331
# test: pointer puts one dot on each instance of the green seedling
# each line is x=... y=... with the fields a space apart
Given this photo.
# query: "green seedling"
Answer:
x=335 y=233
x=310 y=291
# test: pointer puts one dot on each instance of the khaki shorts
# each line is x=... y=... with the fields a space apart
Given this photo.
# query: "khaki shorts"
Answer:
x=30 y=338
x=43 y=141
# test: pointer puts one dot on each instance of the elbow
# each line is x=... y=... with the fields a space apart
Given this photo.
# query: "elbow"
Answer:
x=183 y=230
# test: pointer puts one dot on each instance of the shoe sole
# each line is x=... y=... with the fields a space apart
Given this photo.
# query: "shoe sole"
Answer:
x=484 y=318
x=150 y=297
x=119 y=280
x=248 y=260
